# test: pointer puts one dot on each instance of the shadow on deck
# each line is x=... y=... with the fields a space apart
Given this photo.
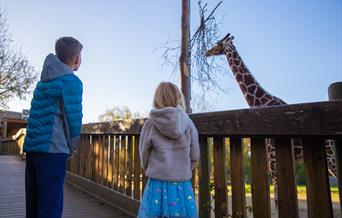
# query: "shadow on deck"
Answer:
x=12 y=197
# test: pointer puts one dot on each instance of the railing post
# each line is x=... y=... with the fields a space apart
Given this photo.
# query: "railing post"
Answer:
x=136 y=168
x=101 y=147
x=129 y=166
x=221 y=198
x=204 y=178
x=237 y=177
x=110 y=162
x=93 y=159
x=335 y=93
x=316 y=171
x=4 y=129
x=105 y=160
x=88 y=163
x=97 y=158
x=287 y=190
x=81 y=151
x=260 y=186
x=122 y=167
x=116 y=170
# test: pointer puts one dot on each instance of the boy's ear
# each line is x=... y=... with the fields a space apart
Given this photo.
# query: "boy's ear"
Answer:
x=77 y=60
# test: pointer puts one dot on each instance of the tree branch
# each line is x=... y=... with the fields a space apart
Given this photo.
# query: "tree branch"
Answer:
x=16 y=74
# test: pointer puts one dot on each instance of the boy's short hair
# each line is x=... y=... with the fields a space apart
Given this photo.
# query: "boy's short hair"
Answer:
x=168 y=95
x=67 y=48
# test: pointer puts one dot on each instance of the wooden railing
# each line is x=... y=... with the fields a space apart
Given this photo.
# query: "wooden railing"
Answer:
x=13 y=145
x=108 y=157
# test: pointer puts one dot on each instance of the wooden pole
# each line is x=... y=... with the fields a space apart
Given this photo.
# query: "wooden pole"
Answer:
x=184 y=59
x=335 y=93
x=4 y=129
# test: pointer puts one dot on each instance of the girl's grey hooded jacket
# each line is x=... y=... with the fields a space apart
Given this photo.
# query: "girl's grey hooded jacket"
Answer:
x=169 y=146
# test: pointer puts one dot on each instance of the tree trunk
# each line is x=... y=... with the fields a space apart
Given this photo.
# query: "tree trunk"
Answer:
x=184 y=59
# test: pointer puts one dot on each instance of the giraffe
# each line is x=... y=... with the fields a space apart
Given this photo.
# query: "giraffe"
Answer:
x=257 y=96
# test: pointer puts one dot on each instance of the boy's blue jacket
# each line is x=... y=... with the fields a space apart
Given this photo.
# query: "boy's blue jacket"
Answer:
x=55 y=118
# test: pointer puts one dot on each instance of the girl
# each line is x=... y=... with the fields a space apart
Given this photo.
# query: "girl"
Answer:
x=169 y=150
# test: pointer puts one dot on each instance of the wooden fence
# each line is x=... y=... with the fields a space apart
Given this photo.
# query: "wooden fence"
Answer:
x=108 y=157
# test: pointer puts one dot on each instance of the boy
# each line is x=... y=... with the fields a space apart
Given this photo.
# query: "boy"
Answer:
x=53 y=129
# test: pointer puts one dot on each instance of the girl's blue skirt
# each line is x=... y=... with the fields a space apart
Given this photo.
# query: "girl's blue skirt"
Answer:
x=168 y=199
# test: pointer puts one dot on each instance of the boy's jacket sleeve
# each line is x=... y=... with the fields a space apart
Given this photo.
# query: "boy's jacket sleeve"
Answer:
x=72 y=99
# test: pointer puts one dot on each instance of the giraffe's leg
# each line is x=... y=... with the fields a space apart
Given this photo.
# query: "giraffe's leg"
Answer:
x=298 y=157
x=272 y=166
x=330 y=151
x=297 y=150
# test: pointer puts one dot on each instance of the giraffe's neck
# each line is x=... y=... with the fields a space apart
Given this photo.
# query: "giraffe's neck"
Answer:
x=255 y=95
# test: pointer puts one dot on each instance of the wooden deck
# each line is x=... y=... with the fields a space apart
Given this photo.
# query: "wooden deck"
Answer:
x=12 y=195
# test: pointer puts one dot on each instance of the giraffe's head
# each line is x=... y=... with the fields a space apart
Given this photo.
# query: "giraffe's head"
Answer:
x=220 y=47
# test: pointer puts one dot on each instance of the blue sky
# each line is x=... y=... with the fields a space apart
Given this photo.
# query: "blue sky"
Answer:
x=293 y=48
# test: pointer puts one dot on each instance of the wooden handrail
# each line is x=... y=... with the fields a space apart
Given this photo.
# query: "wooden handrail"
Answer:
x=309 y=119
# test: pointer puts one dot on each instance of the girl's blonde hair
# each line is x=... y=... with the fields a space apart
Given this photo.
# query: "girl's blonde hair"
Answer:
x=168 y=95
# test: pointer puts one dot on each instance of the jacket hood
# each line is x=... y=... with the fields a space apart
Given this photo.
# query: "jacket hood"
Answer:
x=170 y=121
x=53 y=68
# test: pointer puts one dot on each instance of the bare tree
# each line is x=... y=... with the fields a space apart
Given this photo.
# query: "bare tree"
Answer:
x=16 y=73
x=199 y=103
x=119 y=113
x=204 y=71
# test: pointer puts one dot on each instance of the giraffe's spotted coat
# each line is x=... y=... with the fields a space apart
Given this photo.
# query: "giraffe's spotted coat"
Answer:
x=257 y=96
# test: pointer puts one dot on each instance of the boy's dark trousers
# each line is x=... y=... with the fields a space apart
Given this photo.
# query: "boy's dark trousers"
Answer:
x=44 y=183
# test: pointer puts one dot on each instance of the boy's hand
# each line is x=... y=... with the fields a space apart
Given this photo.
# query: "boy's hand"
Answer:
x=71 y=154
